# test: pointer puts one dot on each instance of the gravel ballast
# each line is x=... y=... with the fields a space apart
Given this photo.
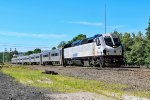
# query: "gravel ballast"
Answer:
x=12 y=90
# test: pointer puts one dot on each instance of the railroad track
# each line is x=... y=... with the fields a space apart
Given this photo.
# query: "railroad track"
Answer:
x=124 y=68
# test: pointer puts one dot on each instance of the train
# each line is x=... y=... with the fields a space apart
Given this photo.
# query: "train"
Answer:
x=100 y=50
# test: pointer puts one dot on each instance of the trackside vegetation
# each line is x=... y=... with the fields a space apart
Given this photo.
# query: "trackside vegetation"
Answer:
x=65 y=84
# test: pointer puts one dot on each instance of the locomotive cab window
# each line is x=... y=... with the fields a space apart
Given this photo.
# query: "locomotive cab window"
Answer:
x=108 y=41
x=98 y=42
x=117 y=41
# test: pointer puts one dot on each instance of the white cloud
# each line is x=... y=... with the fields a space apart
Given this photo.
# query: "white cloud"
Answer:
x=87 y=23
x=32 y=35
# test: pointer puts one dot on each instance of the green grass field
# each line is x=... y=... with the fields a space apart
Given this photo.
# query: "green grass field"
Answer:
x=67 y=84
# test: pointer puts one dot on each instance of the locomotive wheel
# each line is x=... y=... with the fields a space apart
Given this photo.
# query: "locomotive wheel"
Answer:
x=69 y=62
x=92 y=62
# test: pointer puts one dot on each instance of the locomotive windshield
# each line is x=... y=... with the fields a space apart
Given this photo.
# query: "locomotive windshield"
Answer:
x=108 y=41
x=117 y=41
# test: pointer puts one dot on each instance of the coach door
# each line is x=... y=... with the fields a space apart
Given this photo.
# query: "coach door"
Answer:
x=41 y=59
x=49 y=55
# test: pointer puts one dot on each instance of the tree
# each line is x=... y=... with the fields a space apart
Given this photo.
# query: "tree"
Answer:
x=118 y=34
x=79 y=37
x=148 y=31
x=7 y=55
x=127 y=41
x=61 y=44
x=28 y=52
x=37 y=50
x=1 y=57
x=147 y=60
x=137 y=53
x=53 y=48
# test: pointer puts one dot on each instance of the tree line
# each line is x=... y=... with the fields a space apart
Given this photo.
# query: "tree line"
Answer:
x=7 y=56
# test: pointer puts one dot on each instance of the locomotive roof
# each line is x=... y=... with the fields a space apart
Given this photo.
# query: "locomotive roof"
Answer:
x=112 y=35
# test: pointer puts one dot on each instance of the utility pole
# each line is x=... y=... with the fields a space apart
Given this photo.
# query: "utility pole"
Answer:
x=4 y=55
x=105 y=19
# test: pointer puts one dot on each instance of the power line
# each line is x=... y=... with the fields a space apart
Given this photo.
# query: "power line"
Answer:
x=25 y=46
x=2 y=44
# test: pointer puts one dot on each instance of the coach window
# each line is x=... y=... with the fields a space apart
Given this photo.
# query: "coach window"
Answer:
x=32 y=57
x=45 y=55
x=90 y=40
x=37 y=56
x=53 y=54
x=56 y=54
x=84 y=41
x=98 y=42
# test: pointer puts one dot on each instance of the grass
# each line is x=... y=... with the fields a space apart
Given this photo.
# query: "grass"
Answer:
x=67 y=84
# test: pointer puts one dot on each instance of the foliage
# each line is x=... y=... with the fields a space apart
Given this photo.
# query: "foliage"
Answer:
x=53 y=48
x=37 y=50
x=147 y=59
x=61 y=44
x=136 y=47
x=148 y=31
x=28 y=52
x=78 y=37
x=7 y=56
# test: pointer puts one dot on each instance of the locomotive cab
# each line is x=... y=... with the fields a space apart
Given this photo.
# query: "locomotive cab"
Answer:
x=109 y=49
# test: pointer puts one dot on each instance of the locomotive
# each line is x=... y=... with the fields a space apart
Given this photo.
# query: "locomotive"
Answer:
x=100 y=50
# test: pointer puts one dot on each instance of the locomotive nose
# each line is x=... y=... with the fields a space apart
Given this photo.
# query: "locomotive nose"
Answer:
x=113 y=51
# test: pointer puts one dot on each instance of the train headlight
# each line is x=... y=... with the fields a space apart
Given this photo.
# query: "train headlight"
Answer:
x=114 y=46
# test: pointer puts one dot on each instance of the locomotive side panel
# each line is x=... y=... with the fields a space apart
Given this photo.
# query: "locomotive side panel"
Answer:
x=85 y=50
